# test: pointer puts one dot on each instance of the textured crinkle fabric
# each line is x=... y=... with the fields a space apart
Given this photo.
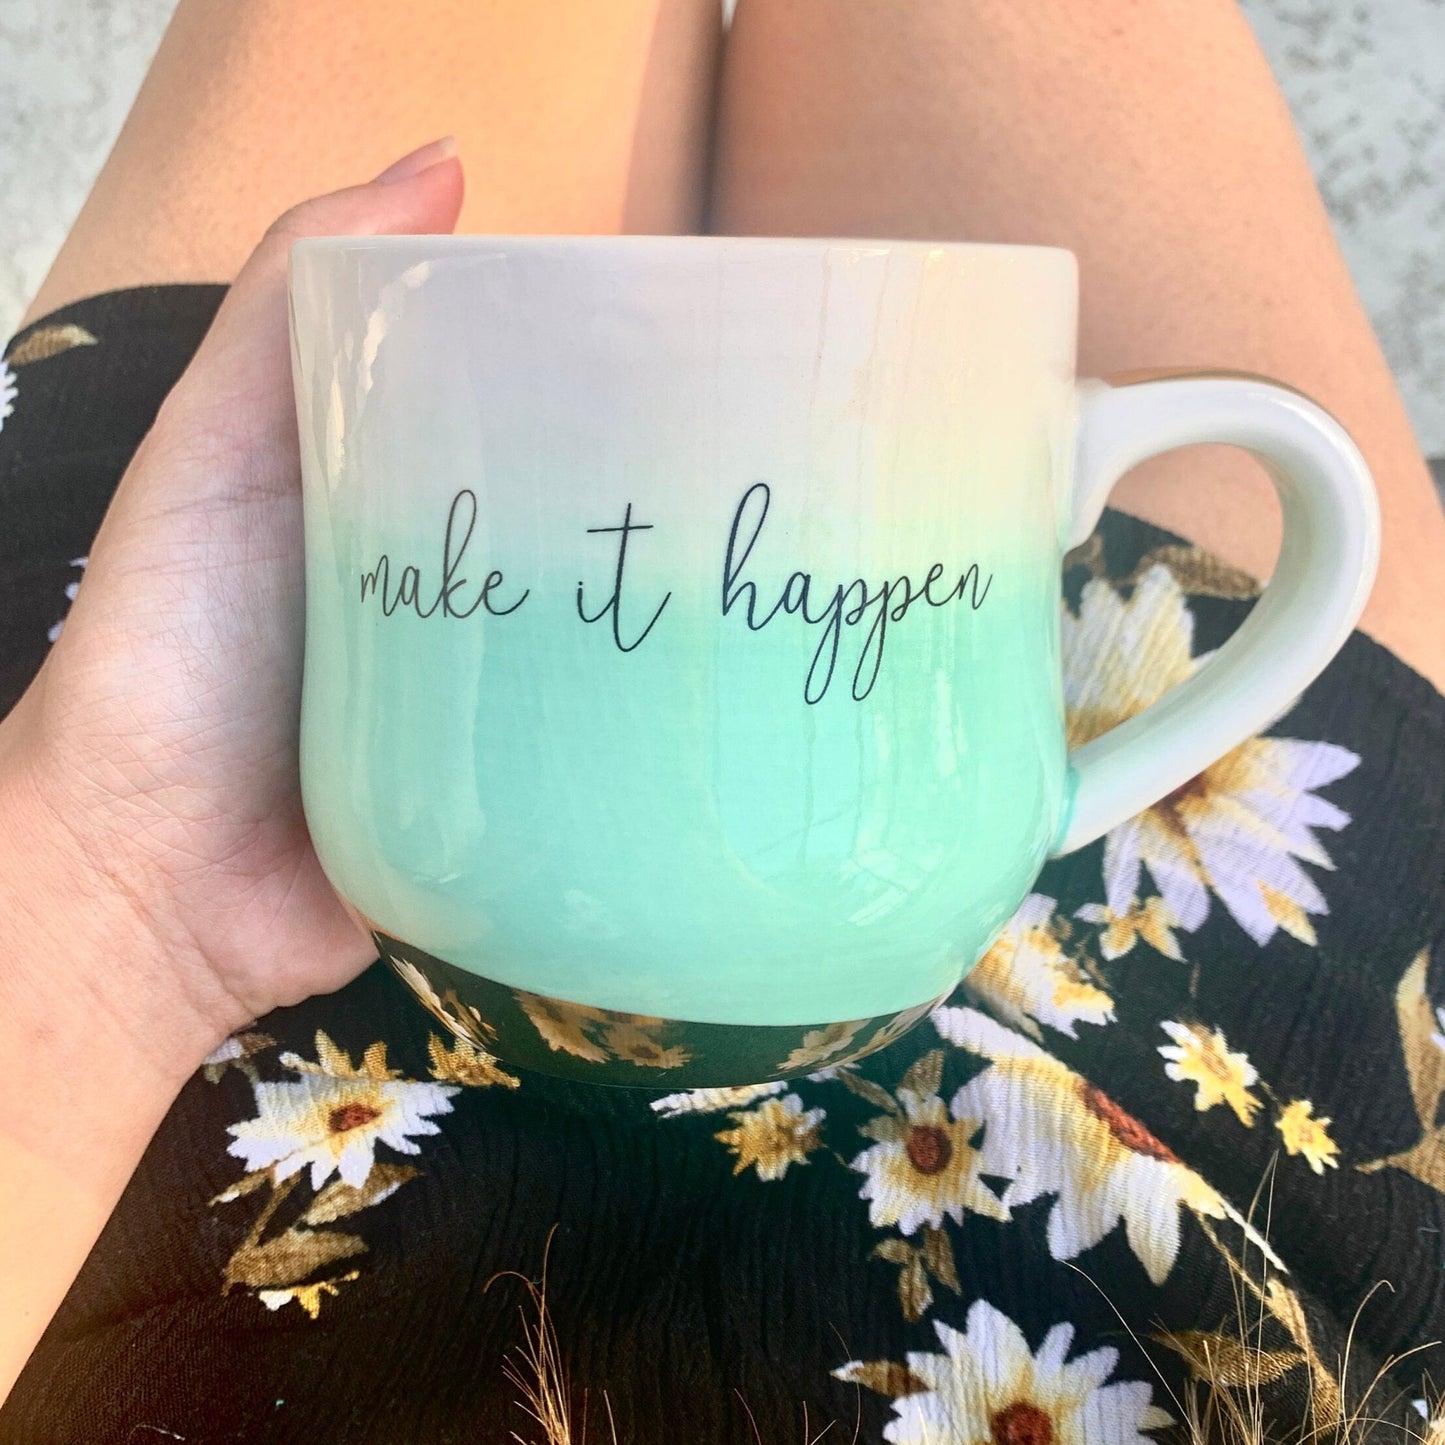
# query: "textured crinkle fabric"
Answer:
x=1181 y=1121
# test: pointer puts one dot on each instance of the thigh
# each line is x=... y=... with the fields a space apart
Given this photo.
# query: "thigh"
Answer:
x=569 y=116
x=1150 y=140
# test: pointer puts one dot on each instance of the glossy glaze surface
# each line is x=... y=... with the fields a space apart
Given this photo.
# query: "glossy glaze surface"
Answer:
x=699 y=812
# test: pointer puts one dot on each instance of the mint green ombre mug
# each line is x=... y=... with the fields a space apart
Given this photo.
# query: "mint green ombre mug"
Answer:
x=682 y=697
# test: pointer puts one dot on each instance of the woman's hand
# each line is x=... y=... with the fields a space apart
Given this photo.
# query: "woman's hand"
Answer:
x=158 y=743
x=159 y=887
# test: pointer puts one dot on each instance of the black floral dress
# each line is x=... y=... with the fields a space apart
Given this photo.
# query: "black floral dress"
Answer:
x=1172 y=1152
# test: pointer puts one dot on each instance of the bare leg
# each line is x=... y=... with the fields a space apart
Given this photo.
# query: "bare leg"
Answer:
x=1152 y=141
x=569 y=116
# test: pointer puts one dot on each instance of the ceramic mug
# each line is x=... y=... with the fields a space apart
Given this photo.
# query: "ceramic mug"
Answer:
x=682 y=698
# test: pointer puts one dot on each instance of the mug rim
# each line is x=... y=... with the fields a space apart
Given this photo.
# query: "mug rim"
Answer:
x=479 y=241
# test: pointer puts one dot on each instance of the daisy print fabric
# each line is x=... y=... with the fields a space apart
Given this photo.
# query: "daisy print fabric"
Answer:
x=1171 y=1155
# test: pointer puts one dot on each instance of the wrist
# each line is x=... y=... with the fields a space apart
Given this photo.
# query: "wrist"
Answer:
x=80 y=957
x=95 y=1044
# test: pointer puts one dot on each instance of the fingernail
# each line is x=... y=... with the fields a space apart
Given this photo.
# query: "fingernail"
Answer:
x=423 y=158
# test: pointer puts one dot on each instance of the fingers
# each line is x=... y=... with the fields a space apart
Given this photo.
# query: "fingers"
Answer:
x=422 y=158
x=242 y=369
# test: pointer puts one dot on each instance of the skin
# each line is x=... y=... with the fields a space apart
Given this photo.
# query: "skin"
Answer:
x=162 y=887
x=1156 y=146
x=152 y=831
x=572 y=117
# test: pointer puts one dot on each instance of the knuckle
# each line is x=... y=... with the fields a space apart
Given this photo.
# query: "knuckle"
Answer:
x=291 y=225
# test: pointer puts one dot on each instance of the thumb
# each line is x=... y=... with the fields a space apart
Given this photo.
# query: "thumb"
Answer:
x=216 y=478
x=238 y=386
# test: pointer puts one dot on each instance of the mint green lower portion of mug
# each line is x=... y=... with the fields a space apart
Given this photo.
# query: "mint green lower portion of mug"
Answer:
x=605 y=1046
x=675 y=831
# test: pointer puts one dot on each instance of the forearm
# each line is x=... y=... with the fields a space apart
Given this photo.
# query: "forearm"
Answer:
x=93 y=1049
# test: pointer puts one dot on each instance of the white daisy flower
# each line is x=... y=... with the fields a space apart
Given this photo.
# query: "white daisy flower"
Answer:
x=1150 y=920
x=988 y=1388
x=1049 y=1131
x=567 y=1027
x=8 y=392
x=1026 y=979
x=1119 y=657
x=71 y=590
x=461 y=1018
x=421 y=986
x=235 y=1051
x=308 y=1296
x=1242 y=828
x=1307 y=1135
x=713 y=1101
x=924 y=1167
x=225 y=1052
x=820 y=1046
x=334 y=1116
x=1202 y=1057
x=773 y=1136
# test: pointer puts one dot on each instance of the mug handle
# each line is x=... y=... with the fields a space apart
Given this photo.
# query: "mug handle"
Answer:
x=1326 y=567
